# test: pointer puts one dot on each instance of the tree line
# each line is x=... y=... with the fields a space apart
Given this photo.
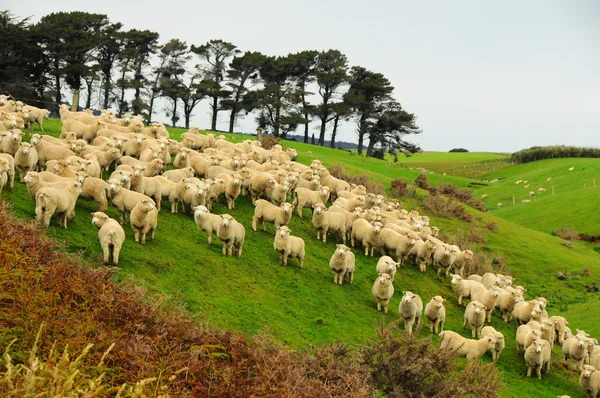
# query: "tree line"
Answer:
x=132 y=68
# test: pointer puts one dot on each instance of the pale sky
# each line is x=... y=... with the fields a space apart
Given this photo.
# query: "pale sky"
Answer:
x=486 y=76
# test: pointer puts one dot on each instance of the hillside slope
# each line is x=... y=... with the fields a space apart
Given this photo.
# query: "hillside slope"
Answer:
x=299 y=307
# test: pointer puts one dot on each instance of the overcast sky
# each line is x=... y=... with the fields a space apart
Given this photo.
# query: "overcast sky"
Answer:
x=486 y=76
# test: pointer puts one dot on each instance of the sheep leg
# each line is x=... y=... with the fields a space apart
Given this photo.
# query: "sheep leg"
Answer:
x=325 y=229
x=116 y=251
x=539 y=372
x=136 y=234
x=143 y=237
x=224 y=249
x=152 y=233
x=366 y=249
x=408 y=324
x=378 y=305
x=254 y=223
x=352 y=277
x=301 y=261
x=103 y=202
x=385 y=306
x=230 y=248
x=262 y=223
x=285 y=258
x=106 y=251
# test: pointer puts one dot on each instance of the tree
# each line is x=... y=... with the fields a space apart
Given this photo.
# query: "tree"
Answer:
x=144 y=44
x=330 y=73
x=241 y=75
x=340 y=110
x=176 y=54
x=110 y=46
x=215 y=54
x=388 y=132
x=368 y=90
x=303 y=74
x=278 y=98
x=191 y=94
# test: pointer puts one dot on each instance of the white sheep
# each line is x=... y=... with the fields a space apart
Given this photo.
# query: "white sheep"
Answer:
x=536 y=356
x=523 y=311
x=4 y=168
x=9 y=170
x=342 y=263
x=499 y=205
x=392 y=241
x=531 y=193
x=288 y=246
x=435 y=312
x=367 y=234
x=571 y=168
x=386 y=265
x=464 y=287
x=111 y=236
x=560 y=324
x=500 y=343
x=383 y=290
x=324 y=221
x=576 y=347
x=306 y=198
x=527 y=334
x=26 y=159
x=422 y=252
x=48 y=151
x=232 y=235
x=124 y=199
x=525 y=201
x=143 y=220
x=475 y=316
x=541 y=190
x=506 y=303
x=177 y=175
x=463 y=347
x=49 y=201
x=488 y=298
x=266 y=211
x=411 y=310
x=93 y=189
x=589 y=380
x=36 y=115
x=10 y=141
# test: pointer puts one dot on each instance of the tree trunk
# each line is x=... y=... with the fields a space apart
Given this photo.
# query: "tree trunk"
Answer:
x=174 y=114
x=370 y=147
x=232 y=117
x=106 y=92
x=362 y=129
x=304 y=104
x=276 y=121
x=136 y=98
x=187 y=117
x=58 y=97
x=335 y=126
x=215 y=105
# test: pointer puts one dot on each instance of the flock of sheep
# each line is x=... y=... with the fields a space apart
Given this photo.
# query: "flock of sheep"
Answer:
x=59 y=171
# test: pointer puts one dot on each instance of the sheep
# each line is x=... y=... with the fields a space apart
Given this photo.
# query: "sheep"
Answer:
x=104 y=158
x=461 y=260
x=93 y=188
x=122 y=175
x=258 y=184
x=278 y=193
x=536 y=356
x=9 y=170
x=499 y=204
x=500 y=343
x=233 y=185
x=464 y=287
x=124 y=199
x=26 y=159
x=187 y=193
x=84 y=131
x=488 y=298
x=179 y=174
x=350 y=204
x=525 y=201
x=531 y=193
x=548 y=332
x=526 y=334
x=444 y=257
x=350 y=217
x=335 y=184
x=589 y=380
x=386 y=265
x=91 y=166
x=463 y=347
x=48 y=151
x=156 y=187
x=324 y=221
x=422 y=251
x=390 y=240
x=36 y=115
x=411 y=309
x=288 y=246
x=523 y=311
x=342 y=264
x=383 y=290
x=206 y=221
x=575 y=347
x=54 y=200
x=571 y=168
x=143 y=220
x=435 y=312
x=506 y=303
x=232 y=235
x=152 y=168
x=541 y=190
x=215 y=188
x=484 y=196
x=560 y=323
x=4 y=168
x=475 y=317
x=36 y=181
x=306 y=198
x=10 y=141
x=266 y=211
x=111 y=236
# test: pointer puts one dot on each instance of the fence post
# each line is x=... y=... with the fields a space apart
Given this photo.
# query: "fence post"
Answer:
x=552 y=190
x=75 y=105
x=514 y=201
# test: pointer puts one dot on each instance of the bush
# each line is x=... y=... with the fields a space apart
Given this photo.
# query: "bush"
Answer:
x=268 y=141
x=422 y=181
x=400 y=188
x=338 y=171
x=463 y=195
x=567 y=234
x=553 y=152
x=458 y=150
x=441 y=206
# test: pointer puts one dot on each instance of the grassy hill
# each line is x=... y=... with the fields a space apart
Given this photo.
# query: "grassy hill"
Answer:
x=575 y=196
x=299 y=307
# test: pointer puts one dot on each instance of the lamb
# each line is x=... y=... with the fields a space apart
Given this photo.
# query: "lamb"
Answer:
x=278 y=193
x=422 y=251
x=93 y=188
x=10 y=141
x=206 y=221
x=111 y=236
x=306 y=198
x=122 y=175
x=177 y=175
x=9 y=169
x=4 y=168
x=386 y=265
x=266 y=211
x=560 y=323
x=48 y=151
x=383 y=290
x=288 y=246
x=575 y=347
x=324 y=221
x=527 y=334
x=462 y=259
x=367 y=234
x=350 y=217
x=465 y=348
x=464 y=287
x=143 y=220
x=475 y=317
x=436 y=314
x=36 y=115
x=232 y=235
x=53 y=200
x=488 y=298
x=342 y=264
x=26 y=159
x=233 y=185
x=537 y=355
x=392 y=241
x=124 y=199
x=490 y=332
x=589 y=380
x=411 y=309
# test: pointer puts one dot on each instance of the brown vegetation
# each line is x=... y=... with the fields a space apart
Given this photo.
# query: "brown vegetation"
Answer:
x=268 y=141
x=337 y=170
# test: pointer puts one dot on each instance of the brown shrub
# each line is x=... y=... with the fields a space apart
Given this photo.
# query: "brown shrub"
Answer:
x=402 y=367
x=586 y=272
x=567 y=234
x=422 y=181
x=441 y=206
x=268 y=141
x=492 y=226
x=338 y=171
x=400 y=188
x=463 y=195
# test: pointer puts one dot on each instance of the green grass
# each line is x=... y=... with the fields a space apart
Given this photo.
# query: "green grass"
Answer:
x=299 y=307
x=571 y=205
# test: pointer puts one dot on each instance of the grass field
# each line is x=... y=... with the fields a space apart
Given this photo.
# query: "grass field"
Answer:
x=299 y=307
